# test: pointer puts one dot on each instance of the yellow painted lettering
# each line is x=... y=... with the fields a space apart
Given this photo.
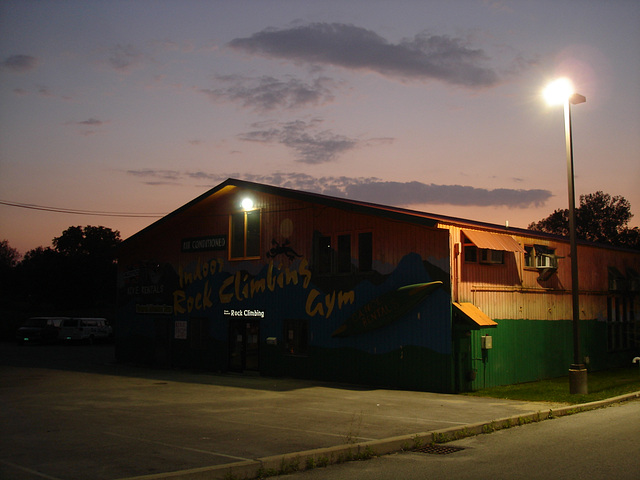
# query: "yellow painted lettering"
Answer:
x=245 y=287
x=207 y=296
x=346 y=297
x=236 y=286
x=258 y=286
x=189 y=304
x=271 y=282
x=178 y=301
x=225 y=297
x=291 y=276
x=305 y=272
x=205 y=269
x=330 y=301
x=313 y=294
x=198 y=275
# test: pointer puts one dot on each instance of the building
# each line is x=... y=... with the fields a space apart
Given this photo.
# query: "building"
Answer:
x=255 y=278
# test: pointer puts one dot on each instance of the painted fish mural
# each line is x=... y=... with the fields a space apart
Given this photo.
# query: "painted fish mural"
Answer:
x=386 y=309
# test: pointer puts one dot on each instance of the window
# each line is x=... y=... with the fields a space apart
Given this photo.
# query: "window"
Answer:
x=529 y=256
x=540 y=256
x=470 y=254
x=365 y=252
x=620 y=326
x=296 y=337
x=473 y=254
x=335 y=254
x=344 y=253
x=324 y=254
x=491 y=256
x=470 y=250
x=245 y=235
x=545 y=257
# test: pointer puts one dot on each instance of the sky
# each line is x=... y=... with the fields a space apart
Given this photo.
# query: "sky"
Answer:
x=115 y=113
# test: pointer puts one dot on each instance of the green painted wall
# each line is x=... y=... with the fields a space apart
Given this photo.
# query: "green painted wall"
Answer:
x=529 y=350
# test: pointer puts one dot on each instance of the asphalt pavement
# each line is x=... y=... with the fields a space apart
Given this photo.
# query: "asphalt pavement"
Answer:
x=598 y=444
x=70 y=412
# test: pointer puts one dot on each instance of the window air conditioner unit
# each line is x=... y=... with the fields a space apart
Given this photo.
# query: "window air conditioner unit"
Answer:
x=546 y=261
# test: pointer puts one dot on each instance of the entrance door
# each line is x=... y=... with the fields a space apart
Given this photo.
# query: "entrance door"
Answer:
x=244 y=346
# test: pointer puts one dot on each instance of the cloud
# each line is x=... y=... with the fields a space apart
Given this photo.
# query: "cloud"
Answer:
x=423 y=57
x=124 y=57
x=41 y=90
x=268 y=93
x=44 y=91
x=371 y=189
x=88 y=126
x=310 y=145
x=154 y=177
x=408 y=193
x=19 y=63
x=91 y=122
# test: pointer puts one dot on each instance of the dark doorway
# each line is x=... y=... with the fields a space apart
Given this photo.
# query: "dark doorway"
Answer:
x=244 y=354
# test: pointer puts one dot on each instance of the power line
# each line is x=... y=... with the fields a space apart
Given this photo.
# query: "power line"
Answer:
x=72 y=211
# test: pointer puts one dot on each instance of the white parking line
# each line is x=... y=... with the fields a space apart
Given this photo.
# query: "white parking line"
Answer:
x=208 y=452
x=315 y=432
x=29 y=470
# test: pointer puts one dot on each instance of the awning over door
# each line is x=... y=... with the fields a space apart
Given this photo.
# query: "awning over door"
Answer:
x=493 y=241
x=472 y=314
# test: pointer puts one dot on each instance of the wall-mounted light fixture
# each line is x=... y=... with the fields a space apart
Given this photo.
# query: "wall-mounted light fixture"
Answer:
x=247 y=204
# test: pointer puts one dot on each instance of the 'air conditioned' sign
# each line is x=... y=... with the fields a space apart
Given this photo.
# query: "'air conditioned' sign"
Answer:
x=204 y=244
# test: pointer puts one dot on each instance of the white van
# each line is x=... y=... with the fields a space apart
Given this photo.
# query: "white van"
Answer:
x=40 y=330
x=85 y=329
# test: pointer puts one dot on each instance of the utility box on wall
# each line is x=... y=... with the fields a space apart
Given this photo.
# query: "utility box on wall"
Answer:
x=486 y=342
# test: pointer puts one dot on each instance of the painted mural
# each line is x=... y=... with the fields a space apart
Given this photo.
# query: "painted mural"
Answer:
x=374 y=314
x=386 y=309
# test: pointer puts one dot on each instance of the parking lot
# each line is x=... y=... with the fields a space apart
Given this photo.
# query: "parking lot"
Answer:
x=70 y=412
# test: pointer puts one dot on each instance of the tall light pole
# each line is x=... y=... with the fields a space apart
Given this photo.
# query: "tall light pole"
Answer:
x=561 y=92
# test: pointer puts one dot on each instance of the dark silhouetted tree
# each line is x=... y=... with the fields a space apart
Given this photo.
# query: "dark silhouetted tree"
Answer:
x=599 y=218
x=89 y=256
x=9 y=256
x=78 y=273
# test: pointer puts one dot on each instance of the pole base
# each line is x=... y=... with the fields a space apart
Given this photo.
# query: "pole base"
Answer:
x=578 y=379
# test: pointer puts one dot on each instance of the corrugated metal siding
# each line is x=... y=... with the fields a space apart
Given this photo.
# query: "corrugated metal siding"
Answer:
x=534 y=336
x=515 y=292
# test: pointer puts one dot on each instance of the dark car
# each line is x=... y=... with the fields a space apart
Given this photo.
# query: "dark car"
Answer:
x=40 y=330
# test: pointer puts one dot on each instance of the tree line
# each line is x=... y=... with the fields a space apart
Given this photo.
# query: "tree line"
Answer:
x=600 y=218
x=74 y=276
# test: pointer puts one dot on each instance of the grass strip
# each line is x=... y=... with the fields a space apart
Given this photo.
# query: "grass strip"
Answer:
x=601 y=385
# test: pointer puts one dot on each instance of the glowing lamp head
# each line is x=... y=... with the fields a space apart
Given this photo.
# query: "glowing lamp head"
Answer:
x=247 y=203
x=558 y=92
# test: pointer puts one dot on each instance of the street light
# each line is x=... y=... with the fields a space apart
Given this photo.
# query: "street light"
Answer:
x=561 y=92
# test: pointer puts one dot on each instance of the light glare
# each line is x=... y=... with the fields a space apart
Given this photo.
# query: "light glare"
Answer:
x=247 y=203
x=558 y=92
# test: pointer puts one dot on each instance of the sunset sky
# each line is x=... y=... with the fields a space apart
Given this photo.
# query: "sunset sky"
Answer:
x=115 y=113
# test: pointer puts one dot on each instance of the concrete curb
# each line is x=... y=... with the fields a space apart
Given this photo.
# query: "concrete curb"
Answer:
x=321 y=457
